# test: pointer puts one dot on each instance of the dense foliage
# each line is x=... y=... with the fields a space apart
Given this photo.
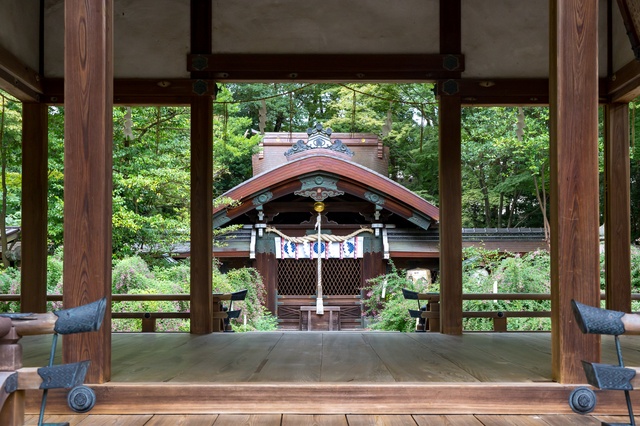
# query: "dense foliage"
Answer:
x=504 y=151
x=505 y=166
x=132 y=275
x=484 y=271
x=385 y=307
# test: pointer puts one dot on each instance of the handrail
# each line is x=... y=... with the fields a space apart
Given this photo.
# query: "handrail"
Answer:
x=114 y=297
x=176 y=297
x=149 y=318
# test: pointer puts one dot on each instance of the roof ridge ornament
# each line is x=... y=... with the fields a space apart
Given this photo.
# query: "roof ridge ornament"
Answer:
x=319 y=137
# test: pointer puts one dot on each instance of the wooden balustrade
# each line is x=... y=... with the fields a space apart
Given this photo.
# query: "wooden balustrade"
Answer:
x=499 y=317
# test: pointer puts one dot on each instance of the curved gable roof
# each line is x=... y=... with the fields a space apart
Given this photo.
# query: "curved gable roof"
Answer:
x=351 y=178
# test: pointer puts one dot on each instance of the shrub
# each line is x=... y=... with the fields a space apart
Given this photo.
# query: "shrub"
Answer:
x=130 y=273
x=506 y=273
x=384 y=303
x=257 y=316
x=10 y=284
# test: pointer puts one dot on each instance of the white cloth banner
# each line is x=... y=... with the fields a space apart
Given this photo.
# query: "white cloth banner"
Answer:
x=348 y=249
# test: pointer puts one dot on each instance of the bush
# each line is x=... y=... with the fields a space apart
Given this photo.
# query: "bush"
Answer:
x=258 y=318
x=132 y=276
x=483 y=271
x=129 y=274
x=384 y=303
x=10 y=284
x=486 y=271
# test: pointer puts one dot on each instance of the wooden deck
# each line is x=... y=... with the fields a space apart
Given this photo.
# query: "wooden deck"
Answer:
x=328 y=420
x=337 y=373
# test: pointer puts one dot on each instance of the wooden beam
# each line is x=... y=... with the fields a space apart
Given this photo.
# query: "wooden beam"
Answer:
x=450 y=171
x=532 y=91
x=617 y=234
x=530 y=398
x=201 y=213
x=450 y=27
x=307 y=206
x=142 y=91
x=477 y=92
x=87 y=180
x=267 y=266
x=201 y=180
x=326 y=67
x=450 y=174
x=575 y=267
x=33 y=273
x=624 y=84
x=17 y=78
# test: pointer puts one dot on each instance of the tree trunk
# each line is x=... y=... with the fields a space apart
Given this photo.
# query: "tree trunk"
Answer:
x=3 y=213
x=542 y=202
x=485 y=194
x=501 y=204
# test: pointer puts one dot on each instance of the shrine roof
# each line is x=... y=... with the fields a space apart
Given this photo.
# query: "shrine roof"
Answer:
x=326 y=170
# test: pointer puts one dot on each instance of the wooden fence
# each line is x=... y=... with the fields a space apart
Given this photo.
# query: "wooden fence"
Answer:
x=149 y=319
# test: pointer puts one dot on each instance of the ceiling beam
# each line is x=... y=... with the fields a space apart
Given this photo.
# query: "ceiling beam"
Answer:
x=180 y=91
x=139 y=91
x=477 y=92
x=327 y=67
x=17 y=78
x=624 y=84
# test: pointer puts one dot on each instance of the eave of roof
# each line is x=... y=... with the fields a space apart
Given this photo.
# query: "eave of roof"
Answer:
x=353 y=178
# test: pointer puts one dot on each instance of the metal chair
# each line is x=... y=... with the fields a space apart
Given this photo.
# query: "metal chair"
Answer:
x=593 y=320
x=80 y=398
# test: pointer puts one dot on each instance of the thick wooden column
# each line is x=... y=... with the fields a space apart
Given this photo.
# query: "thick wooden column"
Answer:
x=201 y=180
x=450 y=172
x=617 y=206
x=88 y=94
x=573 y=96
x=201 y=214
x=450 y=176
x=33 y=273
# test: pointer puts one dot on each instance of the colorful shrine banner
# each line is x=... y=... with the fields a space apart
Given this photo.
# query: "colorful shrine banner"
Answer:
x=348 y=249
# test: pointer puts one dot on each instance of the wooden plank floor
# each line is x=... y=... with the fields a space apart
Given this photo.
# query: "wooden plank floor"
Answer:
x=334 y=373
x=328 y=420
x=330 y=357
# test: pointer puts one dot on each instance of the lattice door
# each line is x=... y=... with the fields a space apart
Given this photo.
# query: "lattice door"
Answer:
x=340 y=277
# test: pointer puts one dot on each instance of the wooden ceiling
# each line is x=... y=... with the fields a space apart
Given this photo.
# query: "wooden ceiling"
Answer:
x=496 y=52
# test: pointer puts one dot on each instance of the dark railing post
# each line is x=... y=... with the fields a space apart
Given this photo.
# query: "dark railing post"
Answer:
x=500 y=322
x=148 y=323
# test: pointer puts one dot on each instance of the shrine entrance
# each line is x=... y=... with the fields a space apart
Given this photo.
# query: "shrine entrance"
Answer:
x=342 y=288
x=319 y=218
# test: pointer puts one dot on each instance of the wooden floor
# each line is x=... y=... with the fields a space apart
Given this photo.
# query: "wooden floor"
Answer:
x=329 y=420
x=337 y=373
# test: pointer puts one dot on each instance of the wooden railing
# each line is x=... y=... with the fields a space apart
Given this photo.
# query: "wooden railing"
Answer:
x=432 y=314
x=149 y=319
x=499 y=317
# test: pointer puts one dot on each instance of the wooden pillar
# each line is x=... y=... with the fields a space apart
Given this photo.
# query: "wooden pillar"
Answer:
x=201 y=214
x=267 y=266
x=450 y=172
x=201 y=179
x=33 y=271
x=88 y=94
x=617 y=207
x=573 y=98
x=450 y=176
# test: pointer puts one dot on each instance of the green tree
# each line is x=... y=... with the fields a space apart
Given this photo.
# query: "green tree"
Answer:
x=504 y=164
x=10 y=167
